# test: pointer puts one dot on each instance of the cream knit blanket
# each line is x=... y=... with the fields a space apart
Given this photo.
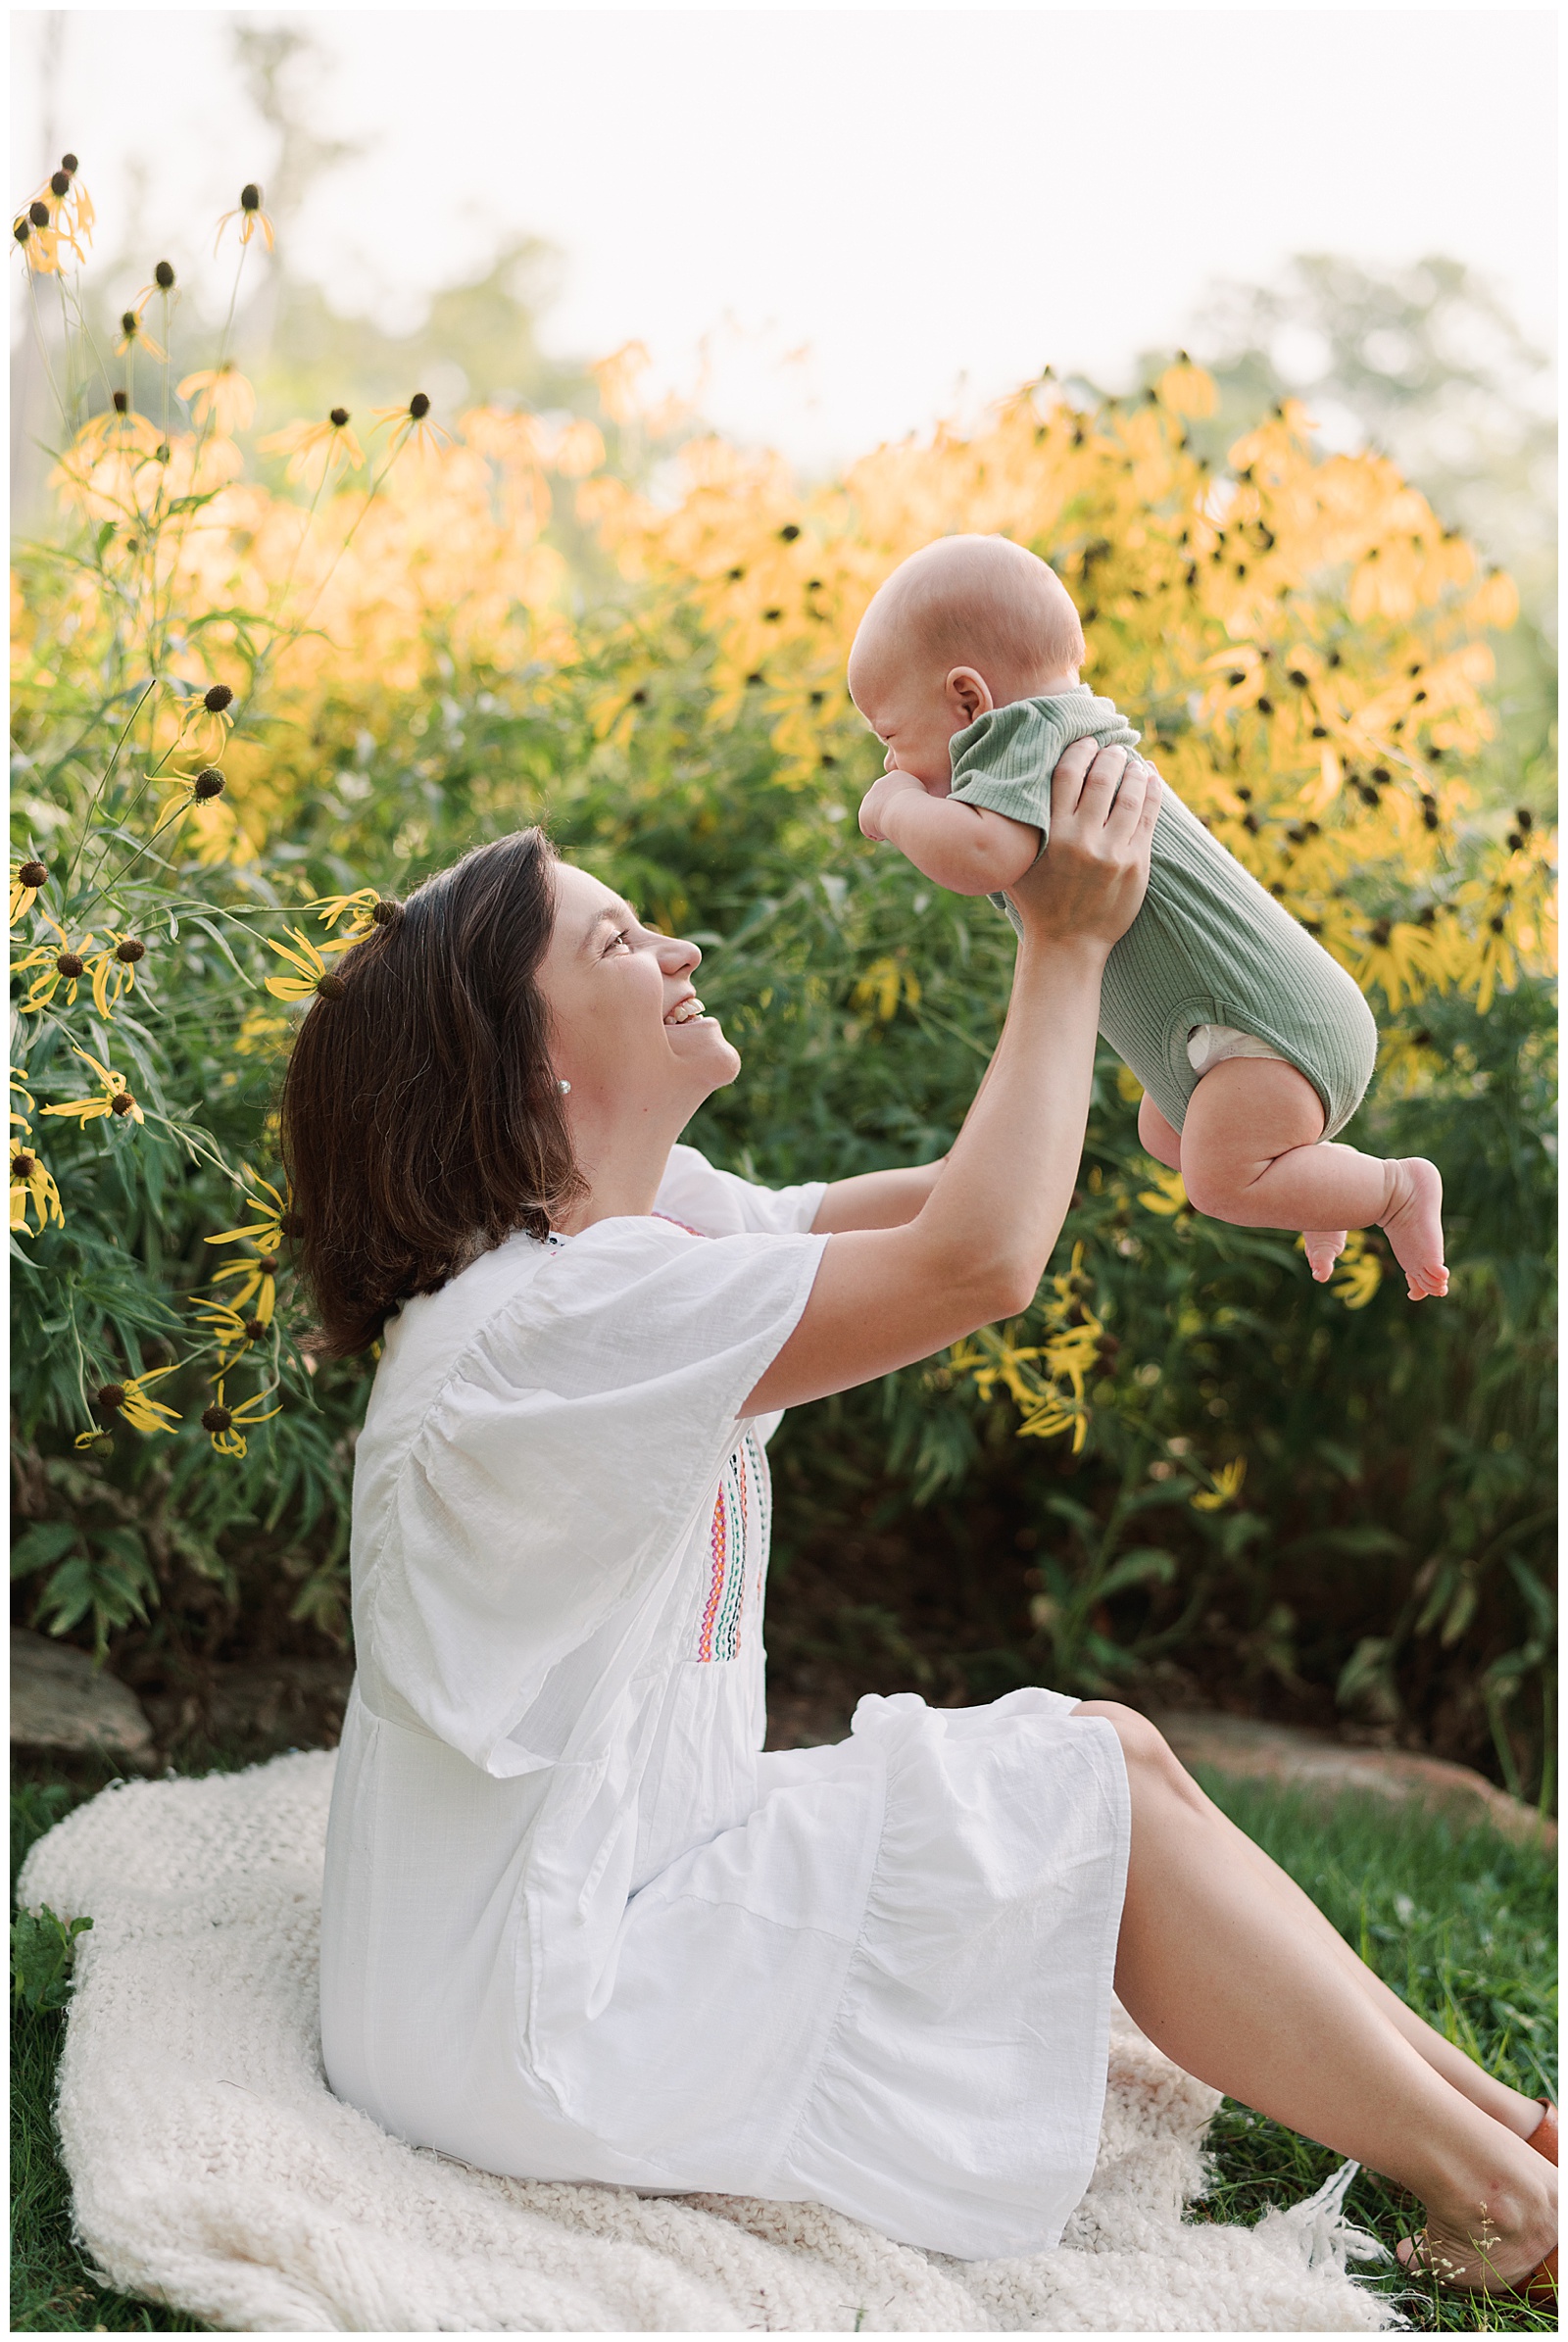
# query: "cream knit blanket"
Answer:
x=212 y=2169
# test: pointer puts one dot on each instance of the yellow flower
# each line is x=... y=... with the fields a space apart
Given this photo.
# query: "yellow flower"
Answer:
x=315 y=450
x=60 y=212
x=1358 y=1272
x=1226 y=1488
x=882 y=985
x=223 y=1423
x=330 y=908
x=412 y=422
x=114 y=969
x=314 y=974
x=268 y=1231
x=38 y=242
x=222 y=396
x=115 y=1100
x=129 y=1399
x=204 y=725
x=1168 y=1195
x=226 y=1324
x=64 y=963
x=248 y=211
x=27 y=877
x=31 y=1183
x=133 y=335
x=258 y=1284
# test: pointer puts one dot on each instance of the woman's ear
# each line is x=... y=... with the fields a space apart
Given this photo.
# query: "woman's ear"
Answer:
x=968 y=694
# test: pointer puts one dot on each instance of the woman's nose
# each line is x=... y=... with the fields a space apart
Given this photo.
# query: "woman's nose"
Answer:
x=677 y=956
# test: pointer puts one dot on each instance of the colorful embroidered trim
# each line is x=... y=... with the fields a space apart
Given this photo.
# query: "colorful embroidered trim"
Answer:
x=737 y=1542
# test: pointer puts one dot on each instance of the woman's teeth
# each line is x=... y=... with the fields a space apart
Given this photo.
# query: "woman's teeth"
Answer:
x=684 y=1013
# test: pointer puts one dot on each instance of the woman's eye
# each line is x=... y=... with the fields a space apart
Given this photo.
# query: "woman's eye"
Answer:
x=621 y=941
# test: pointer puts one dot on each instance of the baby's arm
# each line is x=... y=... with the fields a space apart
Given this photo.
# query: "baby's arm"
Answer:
x=966 y=848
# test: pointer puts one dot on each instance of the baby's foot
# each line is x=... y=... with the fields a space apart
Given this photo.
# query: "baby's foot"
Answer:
x=1323 y=1248
x=1413 y=1226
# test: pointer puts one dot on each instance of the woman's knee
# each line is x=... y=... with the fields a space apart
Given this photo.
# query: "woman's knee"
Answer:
x=1151 y=1762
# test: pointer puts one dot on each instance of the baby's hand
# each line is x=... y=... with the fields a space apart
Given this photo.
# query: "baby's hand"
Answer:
x=875 y=802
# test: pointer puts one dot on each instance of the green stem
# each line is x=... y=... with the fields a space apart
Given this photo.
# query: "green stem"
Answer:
x=104 y=783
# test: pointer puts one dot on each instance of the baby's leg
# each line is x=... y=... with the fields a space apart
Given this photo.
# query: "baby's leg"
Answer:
x=1249 y=1157
x=1155 y=1136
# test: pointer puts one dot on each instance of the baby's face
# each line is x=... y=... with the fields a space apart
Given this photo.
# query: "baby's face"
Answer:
x=911 y=712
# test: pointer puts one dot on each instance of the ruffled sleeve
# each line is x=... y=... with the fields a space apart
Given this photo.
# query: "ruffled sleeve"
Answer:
x=560 y=1469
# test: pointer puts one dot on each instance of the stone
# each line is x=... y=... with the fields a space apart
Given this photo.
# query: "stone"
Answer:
x=1244 y=1746
x=61 y=1702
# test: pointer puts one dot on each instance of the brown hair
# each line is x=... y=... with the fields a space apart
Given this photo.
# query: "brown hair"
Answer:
x=421 y=1123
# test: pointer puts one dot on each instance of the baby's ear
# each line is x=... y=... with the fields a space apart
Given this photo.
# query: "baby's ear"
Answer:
x=968 y=693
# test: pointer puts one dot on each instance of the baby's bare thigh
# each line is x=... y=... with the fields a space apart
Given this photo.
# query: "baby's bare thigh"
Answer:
x=1248 y=1111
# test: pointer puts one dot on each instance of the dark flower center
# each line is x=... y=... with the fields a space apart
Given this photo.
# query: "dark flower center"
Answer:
x=255 y=1330
x=70 y=964
x=121 y=402
x=111 y=1396
x=330 y=987
x=338 y=418
x=21 y=231
x=32 y=874
x=268 y=1264
x=418 y=405
x=69 y=163
x=122 y=1102
x=163 y=275
x=60 y=185
x=217 y=1419
x=38 y=213
x=387 y=911
x=209 y=782
x=249 y=197
x=127 y=324
x=129 y=952
x=217 y=697
x=23 y=1166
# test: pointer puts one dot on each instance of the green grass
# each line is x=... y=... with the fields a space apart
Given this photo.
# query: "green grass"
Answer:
x=1460 y=1923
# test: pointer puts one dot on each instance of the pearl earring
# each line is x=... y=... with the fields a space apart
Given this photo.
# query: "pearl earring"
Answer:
x=562 y=1087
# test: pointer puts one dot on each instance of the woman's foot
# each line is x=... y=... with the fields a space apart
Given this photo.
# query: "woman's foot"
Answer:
x=1323 y=1248
x=1483 y=2254
x=1413 y=1226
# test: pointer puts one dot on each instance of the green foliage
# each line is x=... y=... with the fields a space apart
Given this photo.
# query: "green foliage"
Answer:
x=44 y=1956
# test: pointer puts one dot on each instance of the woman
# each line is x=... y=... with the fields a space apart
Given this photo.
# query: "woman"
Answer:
x=576 y=1925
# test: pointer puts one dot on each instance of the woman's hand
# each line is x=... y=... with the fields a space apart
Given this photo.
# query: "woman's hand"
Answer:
x=1091 y=878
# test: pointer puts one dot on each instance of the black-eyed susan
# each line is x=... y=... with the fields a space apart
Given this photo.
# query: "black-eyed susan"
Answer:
x=205 y=724
x=129 y=1399
x=1358 y=1273
x=230 y=1327
x=363 y=902
x=36 y=240
x=315 y=450
x=219 y=394
x=31 y=1183
x=60 y=963
x=266 y=1231
x=27 y=877
x=226 y=1425
x=413 y=424
x=310 y=960
x=252 y=220
x=134 y=336
x=255 y=1294
x=114 y=969
x=114 y=1097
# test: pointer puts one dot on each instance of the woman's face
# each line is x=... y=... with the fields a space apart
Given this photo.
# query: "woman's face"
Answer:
x=628 y=1030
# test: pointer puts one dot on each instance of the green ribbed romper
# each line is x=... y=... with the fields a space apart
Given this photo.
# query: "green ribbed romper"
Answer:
x=1208 y=947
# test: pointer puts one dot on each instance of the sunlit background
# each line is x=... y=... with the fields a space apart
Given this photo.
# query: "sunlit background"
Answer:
x=831 y=227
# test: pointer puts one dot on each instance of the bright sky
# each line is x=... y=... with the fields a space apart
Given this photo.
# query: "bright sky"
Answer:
x=856 y=219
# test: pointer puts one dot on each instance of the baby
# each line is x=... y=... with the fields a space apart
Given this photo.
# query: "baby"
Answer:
x=1253 y=1047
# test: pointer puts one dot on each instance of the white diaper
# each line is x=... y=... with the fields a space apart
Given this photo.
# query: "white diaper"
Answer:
x=1210 y=1045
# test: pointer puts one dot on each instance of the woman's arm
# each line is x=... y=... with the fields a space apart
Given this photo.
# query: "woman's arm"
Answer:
x=977 y=1250
x=876 y=1198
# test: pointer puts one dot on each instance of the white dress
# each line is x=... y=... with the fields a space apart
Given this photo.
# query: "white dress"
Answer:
x=576 y=1925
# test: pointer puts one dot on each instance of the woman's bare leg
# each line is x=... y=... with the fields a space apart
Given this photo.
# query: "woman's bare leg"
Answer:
x=1223 y=1970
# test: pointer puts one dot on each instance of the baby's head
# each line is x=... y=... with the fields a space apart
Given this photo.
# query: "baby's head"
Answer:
x=965 y=624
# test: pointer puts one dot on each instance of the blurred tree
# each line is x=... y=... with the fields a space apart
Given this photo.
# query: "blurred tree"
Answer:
x=1427 y=364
